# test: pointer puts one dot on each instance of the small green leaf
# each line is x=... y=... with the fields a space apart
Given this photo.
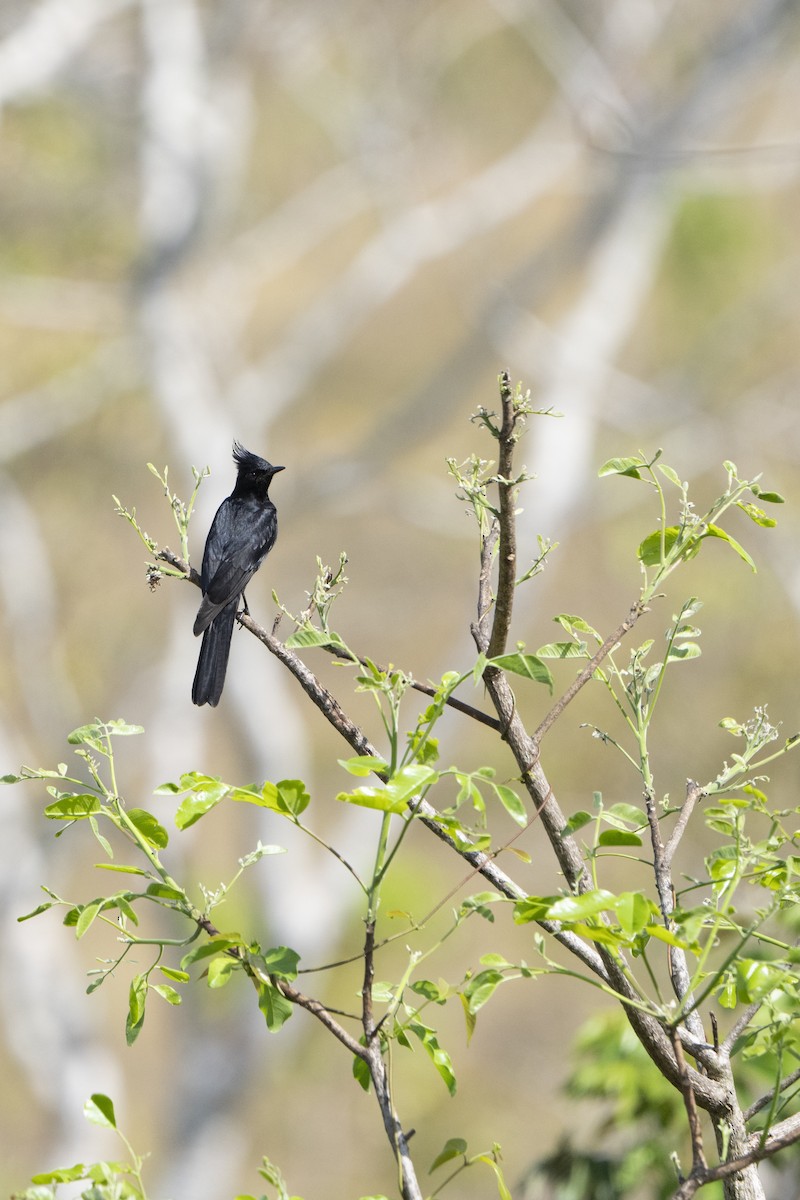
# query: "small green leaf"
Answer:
x=167 y=993
x=453 y=1148
x=41 y=908
x=526 y=665
x=577 y=908
x=683 y=650
x=481 y=987
x=88 y=735
x=197 y=803
x=439 y=1057
x=208 y=949
x=396 y=794
x=304 y=639
x=363 y=764
x=649 y=552
x=150 y=829
x=670 y=474
x=123 y=869
x=563 y=650
x=361 y=1072
x=533 y=908
x=73 y=808
x=86 y=917
x=275 y=1007
x=576 y=822
x=757 y=515
x=137 y=999
x=174 y=973
x=625 y=812
x=292 y=796
x=768 y=497
x=622 y=466
x=634 y=910
x=99 y=1109
x=511 y=803
x=715 y=531
x=220 y=970
x=618 y=837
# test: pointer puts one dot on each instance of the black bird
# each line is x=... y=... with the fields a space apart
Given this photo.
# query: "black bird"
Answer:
x=241 y=536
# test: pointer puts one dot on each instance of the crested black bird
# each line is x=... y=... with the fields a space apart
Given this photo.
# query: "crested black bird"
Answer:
x=241 y=536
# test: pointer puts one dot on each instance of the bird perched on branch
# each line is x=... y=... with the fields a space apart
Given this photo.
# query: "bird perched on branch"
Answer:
x=241 y=536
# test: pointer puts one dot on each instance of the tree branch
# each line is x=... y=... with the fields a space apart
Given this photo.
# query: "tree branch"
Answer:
x=507 y=567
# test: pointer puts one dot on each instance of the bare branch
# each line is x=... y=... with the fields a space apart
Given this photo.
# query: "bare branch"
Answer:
x=507 y=567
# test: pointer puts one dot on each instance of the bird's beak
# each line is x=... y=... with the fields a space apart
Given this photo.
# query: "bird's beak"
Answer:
x=276 y=469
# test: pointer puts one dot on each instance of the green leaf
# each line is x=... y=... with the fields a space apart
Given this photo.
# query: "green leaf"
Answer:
x=275 y=1007
x=577 y=908
x=622 y=466
x=634 y=910
x=670 y=474
x=363 y=764
x=533 y=908
x=40 y=909
x=123 y=729
x=292 y=796
x=649 y=552
x=715 y=531
x=104 y=842
x=527 y=665
x=666 y=935
x=625 y=812
x=137 y=998
x=73 y=808
x=125 y=870
x=282 y=961
x=361 y=1073
x=757 y=515
x=563 y=650
x=198 y=802
x=304 y=639
x=768 y=497
x=576 y=822
x=481 y=988
x=574 y=625
x=395 y=795
x=59 y=1175
x=439 y=1057
x=220 y=970
x=163 y=891
x=618 y=837
x=167 y=993
x=453 y=1148
x=86 y=917
x=208 y=949
x=89 y=735
x=174 y=973
x=99 y=1109
x=149 y=827
x=511 y=803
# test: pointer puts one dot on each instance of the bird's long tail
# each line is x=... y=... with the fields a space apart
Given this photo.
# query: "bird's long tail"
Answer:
x=209 y=678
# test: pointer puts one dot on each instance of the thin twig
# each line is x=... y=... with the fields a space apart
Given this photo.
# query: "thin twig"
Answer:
x=766 y=1099
x=588 y=671
x=693 y=793
x=426 y=689
x=692 y=1115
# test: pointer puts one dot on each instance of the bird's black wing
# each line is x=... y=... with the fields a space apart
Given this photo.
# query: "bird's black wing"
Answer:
x=241 y=535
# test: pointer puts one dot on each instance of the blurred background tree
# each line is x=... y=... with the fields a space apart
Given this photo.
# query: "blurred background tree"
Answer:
x=322 y=229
